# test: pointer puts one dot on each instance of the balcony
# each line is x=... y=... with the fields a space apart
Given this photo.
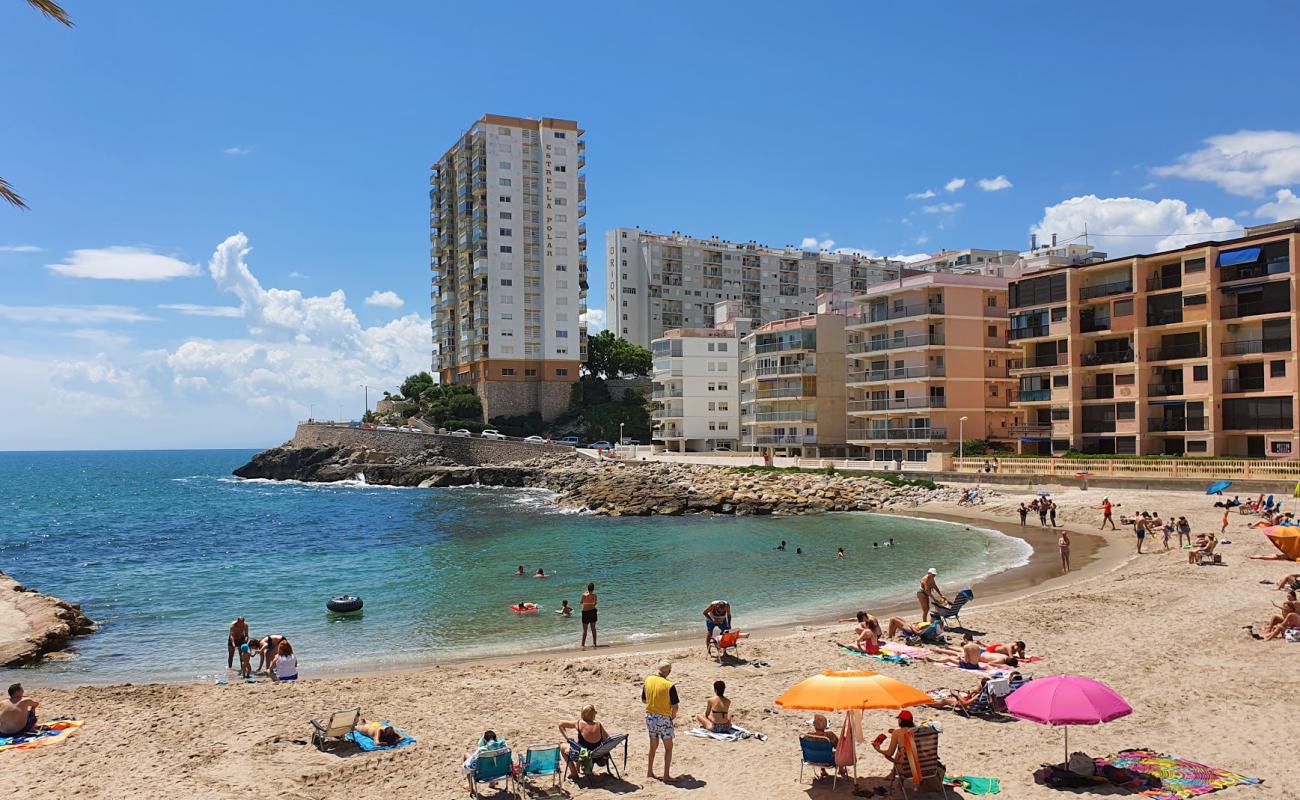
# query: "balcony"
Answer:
x=802 y=368
x=896 y=374
x=1031 y=431
x=785 y=440
x=1093 y=324
x=1173 y=352
x=1257 y=424
x=1247 y=347
x=899 y=434
x=1099 y=426
x=1165 y=389
x=1087 y=293
x=1164 y=316
x=1107 y=357
x=1248 y=271
x=1231 y=385
x=785 y=394
x=785 y=416
x=1159 y=282
x=1030 y=332
x=1176 y=424
x=896 y=404
x=898 y=343
x=1035 y=395
x=785 y=346
x=874 y=315
x=1035 y=362
x=1275 y=305
x=1098 y=393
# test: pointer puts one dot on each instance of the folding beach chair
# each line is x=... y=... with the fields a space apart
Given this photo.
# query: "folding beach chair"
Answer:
x=539 y=761
x=926 y=739
x=729 y=640
x=930 y=634
x=603 y=756
x=339 y=725
x=952 y=610
x=491 y=765
x=817 y=753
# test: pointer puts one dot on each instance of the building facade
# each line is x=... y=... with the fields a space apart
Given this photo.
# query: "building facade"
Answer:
x=792 y=387
x=509 y=263
x=697 y=384
x=1182 y=352
x=929 y=366
x=661 y=281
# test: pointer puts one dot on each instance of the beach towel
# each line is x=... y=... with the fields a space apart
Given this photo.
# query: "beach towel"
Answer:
x=737 y=733
x=890 y=658
x=910 y=650
x=974 y=786
x=1179 y=779
x=57 y=731
x=370 y=745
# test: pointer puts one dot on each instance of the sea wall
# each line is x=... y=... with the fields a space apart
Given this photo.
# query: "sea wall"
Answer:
x=467 y=451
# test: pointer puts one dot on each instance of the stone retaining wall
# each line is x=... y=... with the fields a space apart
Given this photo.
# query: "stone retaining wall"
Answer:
x=471 y=451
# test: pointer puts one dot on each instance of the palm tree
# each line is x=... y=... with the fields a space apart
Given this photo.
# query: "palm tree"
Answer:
x=55 y=12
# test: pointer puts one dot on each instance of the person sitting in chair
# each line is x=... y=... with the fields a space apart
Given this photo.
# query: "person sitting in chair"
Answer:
x=588 y=735
x=902 y=744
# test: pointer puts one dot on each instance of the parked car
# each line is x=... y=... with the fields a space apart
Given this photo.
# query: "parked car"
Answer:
x=571 y=441
x=462 y=433
x=722 y=448
x=601 y=445
x=535 y=440
x=491 y=434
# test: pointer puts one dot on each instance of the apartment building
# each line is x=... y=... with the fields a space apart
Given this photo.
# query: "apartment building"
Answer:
x=972 y=260
x=662 y=281
x=509 y=263
x=1187 y=351
x=697 y=384
x=929 y=365
x=792 y=387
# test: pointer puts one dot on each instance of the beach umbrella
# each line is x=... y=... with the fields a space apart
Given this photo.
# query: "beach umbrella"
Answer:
x=833 y=690
x=1285 y=538
x=1217 y=487
x=1067 y=700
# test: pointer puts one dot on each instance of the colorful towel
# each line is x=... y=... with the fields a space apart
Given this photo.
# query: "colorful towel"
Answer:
x=883 y=655
x=975 y=786
x=56 y=732
x=1181 y=779
x=369 y=745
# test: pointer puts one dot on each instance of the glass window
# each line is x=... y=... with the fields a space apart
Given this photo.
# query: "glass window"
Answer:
x=1200 y=372
x=1277 y=369
x=1125 y=380
x=1125 y=410
x=1060 y=381
x=1194 y=265
x=1058 y=313
x=1122 y=308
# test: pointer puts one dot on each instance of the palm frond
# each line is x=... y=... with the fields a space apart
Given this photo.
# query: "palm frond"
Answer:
x=52 y=10
x=8 y=194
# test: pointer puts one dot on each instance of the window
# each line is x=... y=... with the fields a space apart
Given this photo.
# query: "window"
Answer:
x=503 y=181
x=993 y=362
x=993 y=390
x=1058 y=313
x=530 y=373
x=1122 y=308
x=1125 y=379
x=505 y=232
x=993 y=331
x=507 y=372
x=560 y=201
x=505 y=198
x=722 y=387
x=561 y=217
x=562 y=351
x=561 y=334
x=505 y=248
x=1198 y=446
x=1060 y=381
x=711 y=387
x=1200 y=372
x=507 y=333
x=561 y=372
x=713 y=406
x=507 y=281
x=560 y=134
x=561 y=284
x=722 y=406
x=1195 y=265
x=722 y=347
x=1277 y=369
x=1125 y=410
x=506 y=215
x=503 y=164
x=503 y=131
x=561 y=268
x=1194 y=300
x=507 y=299
x=1060 y=414
x=710 y=347
x=722 y=426
x=561 y=168
x=993 y=301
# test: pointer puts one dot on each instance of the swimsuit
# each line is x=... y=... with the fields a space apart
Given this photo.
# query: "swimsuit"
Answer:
x=588 y=616
x=968 y=665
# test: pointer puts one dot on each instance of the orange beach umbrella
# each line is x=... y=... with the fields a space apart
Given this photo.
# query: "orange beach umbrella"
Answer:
x=1285 y=538
x=833 y=690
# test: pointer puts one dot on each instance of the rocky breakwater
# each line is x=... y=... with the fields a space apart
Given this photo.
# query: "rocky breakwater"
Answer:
x=330 y=464
x=33 y=625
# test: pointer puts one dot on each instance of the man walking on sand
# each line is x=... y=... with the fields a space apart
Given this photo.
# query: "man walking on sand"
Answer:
x=1105 y=514
x=661 y=702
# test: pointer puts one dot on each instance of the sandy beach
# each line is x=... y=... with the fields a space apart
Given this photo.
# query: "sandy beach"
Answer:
x=1167 y=636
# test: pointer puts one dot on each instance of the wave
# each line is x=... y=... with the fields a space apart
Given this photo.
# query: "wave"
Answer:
x=349 y=483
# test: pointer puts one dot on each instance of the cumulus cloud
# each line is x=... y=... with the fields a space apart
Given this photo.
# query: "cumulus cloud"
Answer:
x=384 y=299
x=20 y=248
x=995 y=184
x=91 y=387
x=99 y=337
x=943 y=208
x=1129 y=224
x=910 y=257
x=123 y=264
x=237 y=151
x=813 y=243
x=1285 y=206
x=595 y=319
x=193 y=310
x=76 y=315
x=1246 y=163
x=926 y=195
x=954 y=184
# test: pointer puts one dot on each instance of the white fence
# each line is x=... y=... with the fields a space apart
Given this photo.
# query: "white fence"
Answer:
x=1206 y=468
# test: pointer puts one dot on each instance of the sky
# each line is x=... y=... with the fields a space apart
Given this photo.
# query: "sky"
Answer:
x=228 y=228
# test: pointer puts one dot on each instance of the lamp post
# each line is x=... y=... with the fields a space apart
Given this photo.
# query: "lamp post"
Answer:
x=961 y=439
x=367 y=390
x=620 y=434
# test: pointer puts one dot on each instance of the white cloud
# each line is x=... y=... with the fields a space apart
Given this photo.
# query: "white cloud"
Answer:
x=995 y=184
x=1286 y=206
x=595 y=319
x=237 y=151
x=193 y=310
x=123 y=264
x=75 y=315
x=21 y=248
x=954 y=184
x=813 y=243
x=384 y=299
x=926 y=195
x=943 y=208
x=1245 y=163
x=910 y=257
x=1128 y=224
x=922 y=239
x=99 y=337
x=296 y=275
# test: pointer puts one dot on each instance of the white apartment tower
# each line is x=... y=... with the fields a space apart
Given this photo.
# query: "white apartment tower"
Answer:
x=509 y=261
x=658 y=282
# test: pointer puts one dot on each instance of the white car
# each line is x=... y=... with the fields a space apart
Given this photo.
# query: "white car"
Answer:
x=462 y=433
x=491 y=434
x=535 y=440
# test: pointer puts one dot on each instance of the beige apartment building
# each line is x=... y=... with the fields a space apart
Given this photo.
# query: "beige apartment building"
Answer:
x=792 y=387
x=1181 y=352
x=508 y=254
x=697 y=384
x=657 y=282
x=928 y=365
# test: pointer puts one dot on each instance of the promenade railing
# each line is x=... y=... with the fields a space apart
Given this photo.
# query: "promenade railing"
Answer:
x=1201 y=468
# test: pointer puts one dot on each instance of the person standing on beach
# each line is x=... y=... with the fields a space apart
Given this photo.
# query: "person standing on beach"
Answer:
x=238 y=636
x=1042 y=511
x=1051 y=509
x=716 y=615
x=588 y=601
x=1064 y=544
x=1105 y=514
x=1024 y=512
x=929 y=591
x=661 y=702
x=1140 y=529
x=1224 y=528
x=1184 y=529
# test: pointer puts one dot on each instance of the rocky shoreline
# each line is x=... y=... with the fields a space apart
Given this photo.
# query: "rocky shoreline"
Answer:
x=610 y=487
x=33 y=625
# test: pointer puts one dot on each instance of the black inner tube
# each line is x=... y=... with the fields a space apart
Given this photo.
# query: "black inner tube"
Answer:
x=345 y=603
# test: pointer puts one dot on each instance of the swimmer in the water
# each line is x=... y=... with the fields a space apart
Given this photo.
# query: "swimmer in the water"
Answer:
x=798 y=551
x=840 y=553
x=565 y=610
x=541 y=573
x=520 y=571
x=781 y=546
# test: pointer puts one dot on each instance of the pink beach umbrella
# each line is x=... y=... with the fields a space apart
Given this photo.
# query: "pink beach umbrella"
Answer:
x=1067 y=700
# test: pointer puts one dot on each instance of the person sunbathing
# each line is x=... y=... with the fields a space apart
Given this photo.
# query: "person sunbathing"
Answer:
x=899 y=625
x=588 y=735
x=865 y=620
x=487 y=743
x=1292 y=580
x=717 y=711
x=380 y=733
x=992 y=659
x=1280 y=624
x=968 y=657
x=958 y=699
x=1016 y=649
x=867 y=642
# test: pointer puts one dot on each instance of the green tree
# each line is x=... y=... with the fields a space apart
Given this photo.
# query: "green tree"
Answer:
x=416 y=385
x=55 y=12
x=610 y=356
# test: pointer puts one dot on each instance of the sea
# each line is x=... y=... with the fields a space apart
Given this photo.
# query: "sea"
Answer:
x=165 y=548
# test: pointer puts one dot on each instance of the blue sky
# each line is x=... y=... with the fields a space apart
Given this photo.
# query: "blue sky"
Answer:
x=153 y=133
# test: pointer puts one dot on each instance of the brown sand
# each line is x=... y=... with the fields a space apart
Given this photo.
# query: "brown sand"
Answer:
x=1164 y=634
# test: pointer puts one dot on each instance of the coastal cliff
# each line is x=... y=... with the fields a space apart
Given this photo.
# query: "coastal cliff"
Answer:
x=33 y=624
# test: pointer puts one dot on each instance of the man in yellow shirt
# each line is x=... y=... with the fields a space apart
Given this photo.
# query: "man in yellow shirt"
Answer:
x=661 y=702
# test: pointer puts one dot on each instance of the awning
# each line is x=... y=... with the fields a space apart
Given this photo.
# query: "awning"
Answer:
x=1246 y=255
x=1168 y=402
x=1239 y=289
x=1034 y=439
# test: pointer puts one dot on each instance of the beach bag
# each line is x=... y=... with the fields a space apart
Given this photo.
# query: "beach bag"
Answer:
x=1291 y=635
x=1081 y=764
x=584 y=762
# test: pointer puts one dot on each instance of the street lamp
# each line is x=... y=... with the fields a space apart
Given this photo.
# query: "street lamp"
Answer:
x=961 y=441
x=620 y=434
x=367 y=388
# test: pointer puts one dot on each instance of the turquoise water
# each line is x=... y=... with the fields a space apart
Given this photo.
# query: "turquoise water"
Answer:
x=164 y=548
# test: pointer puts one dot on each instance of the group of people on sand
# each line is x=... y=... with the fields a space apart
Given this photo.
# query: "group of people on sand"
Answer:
x=1286 y=623
x=275 y=655
x=1044 y=506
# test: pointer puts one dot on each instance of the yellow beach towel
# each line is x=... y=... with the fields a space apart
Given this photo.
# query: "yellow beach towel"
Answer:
x=57 y=732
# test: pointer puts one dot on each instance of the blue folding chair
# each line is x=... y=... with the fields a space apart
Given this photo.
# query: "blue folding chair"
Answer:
x=491 y=765
x=818 y=753
x=953 y=609
x=539 y=761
